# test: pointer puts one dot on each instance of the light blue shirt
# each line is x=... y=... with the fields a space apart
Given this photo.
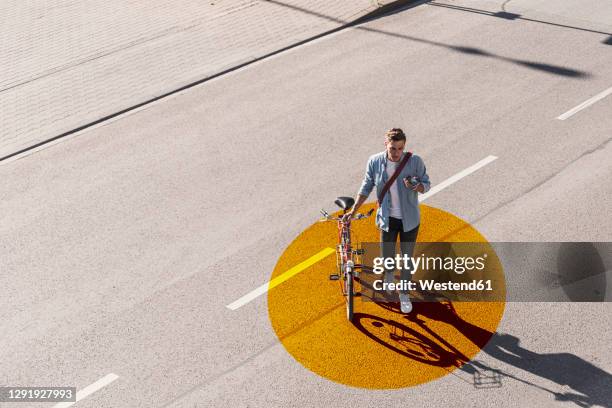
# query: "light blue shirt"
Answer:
x=376 y=175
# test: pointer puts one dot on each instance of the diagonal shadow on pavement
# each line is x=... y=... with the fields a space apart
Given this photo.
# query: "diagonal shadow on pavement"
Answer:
x=511 y=16
x=544 y=67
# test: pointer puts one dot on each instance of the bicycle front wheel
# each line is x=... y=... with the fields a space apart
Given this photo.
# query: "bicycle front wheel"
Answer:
x=350 y=296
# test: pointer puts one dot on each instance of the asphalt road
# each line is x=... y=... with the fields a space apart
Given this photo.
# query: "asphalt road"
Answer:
x=123 y=244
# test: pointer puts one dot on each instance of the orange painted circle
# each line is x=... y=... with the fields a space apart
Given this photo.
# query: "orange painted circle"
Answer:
x=383 y=349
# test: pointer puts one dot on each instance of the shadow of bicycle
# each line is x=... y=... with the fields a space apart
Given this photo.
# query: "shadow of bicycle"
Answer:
x=404 y=340
x=424 y=345
x=590 y=384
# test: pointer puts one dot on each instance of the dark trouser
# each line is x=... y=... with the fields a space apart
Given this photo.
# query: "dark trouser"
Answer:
x=388 y=241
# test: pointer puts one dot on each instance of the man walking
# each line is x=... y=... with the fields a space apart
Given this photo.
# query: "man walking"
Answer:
x=398 y=176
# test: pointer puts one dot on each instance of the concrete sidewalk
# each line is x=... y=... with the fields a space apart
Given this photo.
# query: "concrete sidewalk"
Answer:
x=67 y=64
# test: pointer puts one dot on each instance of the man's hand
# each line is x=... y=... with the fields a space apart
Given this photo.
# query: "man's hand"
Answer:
x=417 y=187
x=347 y=217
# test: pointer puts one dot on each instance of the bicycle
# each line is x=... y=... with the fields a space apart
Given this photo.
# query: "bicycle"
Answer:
x=346 y=256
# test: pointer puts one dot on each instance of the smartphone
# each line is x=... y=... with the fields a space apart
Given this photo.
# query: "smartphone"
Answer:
x=413 y=180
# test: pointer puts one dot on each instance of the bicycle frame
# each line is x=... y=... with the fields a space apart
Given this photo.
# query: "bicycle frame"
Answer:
x=345 y=254
x=346 y=257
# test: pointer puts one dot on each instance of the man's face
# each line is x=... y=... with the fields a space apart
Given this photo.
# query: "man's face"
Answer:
x=394 y=149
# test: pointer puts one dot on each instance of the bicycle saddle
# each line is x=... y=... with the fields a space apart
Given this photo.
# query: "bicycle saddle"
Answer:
x=345 y=202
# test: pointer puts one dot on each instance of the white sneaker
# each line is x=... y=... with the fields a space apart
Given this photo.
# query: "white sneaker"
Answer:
x=405 y=303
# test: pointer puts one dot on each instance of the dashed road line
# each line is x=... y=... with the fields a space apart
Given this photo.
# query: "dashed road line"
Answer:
x=281 y=278
x=90 y=389
x=453 y=179
x=585 y=104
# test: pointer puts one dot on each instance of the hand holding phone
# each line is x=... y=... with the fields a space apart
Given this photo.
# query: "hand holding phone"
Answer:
x=413 y=183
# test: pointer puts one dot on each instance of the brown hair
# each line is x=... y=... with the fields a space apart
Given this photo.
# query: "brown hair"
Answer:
x=395 y=135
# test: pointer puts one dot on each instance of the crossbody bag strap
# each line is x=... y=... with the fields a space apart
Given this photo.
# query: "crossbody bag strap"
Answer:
x=389 y=182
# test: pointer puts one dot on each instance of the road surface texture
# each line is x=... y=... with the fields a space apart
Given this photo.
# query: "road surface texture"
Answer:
x=123 y=244
x=67 y=64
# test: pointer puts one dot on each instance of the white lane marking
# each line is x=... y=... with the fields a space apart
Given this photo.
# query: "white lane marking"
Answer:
x=90 y=389
x=585 y=104
x=291 y=272
x=254 y=294
x=453 y=179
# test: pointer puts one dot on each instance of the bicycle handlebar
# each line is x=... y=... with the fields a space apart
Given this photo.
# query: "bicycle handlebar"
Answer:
x=360 y=216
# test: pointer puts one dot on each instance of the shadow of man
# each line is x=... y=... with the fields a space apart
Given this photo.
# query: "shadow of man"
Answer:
x=593 y=384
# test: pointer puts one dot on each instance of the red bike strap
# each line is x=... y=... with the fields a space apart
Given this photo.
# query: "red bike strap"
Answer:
x=389 y=182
